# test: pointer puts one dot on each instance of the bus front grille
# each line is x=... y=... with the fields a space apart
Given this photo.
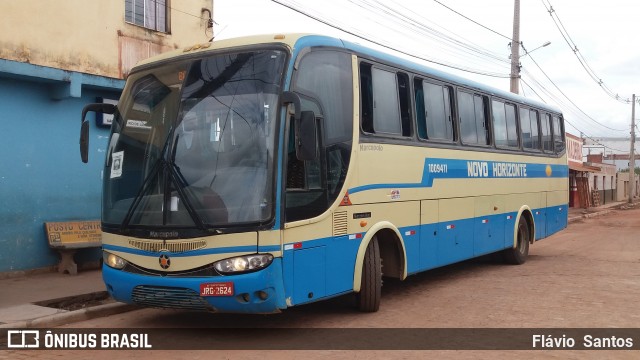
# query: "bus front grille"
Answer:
x=169 y=297
x=176 y=246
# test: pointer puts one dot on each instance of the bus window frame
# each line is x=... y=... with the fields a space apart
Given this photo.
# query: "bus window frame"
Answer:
x=562 y=133
x=538 y=150
x=548 y=115
x=487 y=117
x=506 y=102
x=395 y=70
x=452 y=108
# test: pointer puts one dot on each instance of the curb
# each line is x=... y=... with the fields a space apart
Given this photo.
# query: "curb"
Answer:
x=588 y=216
x=70 y=317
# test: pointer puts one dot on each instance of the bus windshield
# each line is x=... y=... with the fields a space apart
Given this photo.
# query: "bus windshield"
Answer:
x=192 y=144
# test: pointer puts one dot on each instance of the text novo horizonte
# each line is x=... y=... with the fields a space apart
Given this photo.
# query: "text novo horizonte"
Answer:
x=481 y=169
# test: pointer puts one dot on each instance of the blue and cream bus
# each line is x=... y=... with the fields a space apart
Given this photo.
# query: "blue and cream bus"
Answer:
x=255 y=174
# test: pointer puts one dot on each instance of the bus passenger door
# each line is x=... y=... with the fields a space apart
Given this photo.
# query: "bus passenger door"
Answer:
x=488 y=225
x=428 y=234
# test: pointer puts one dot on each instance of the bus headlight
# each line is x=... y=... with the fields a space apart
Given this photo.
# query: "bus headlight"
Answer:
x=243 y=263
x=113 y=261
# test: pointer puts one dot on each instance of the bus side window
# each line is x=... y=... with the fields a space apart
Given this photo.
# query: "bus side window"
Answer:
x=529 y=129
x=558 y=135
x=525 y=128
x=385 y=101
x=535 y=133
x=421 y=112
x=386 y=105
x=547 y=141
x=433 y=111
x=405 y=103
x=499 y=123
x=472 y=109
x=512 y=127
x=366 y=98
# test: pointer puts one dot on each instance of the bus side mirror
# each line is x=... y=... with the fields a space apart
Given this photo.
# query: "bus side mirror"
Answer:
x=306 y=137
x=84 y=129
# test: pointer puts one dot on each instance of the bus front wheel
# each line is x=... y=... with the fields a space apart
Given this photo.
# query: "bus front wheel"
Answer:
x=518 y=255
x=368 y=299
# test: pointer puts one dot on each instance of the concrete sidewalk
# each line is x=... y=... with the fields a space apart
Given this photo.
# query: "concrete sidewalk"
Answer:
x=26 y=301
x=576 y=214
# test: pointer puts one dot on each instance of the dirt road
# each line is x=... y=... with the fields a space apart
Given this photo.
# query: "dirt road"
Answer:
x=587 y=276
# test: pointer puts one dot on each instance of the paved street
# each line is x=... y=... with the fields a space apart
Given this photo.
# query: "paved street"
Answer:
x=587 y=276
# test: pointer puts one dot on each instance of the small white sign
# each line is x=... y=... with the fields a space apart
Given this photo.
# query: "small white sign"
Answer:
x=117 y=159
x=107 y=119
x=138 y=124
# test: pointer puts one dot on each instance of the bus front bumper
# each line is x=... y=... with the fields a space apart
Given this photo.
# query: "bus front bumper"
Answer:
x=257 y=292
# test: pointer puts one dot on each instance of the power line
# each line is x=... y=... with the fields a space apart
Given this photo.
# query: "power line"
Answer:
x=527 y=53
x=475 y=22
x=529 y=86
x=418 y=26
x=583 y=133
x=379 y=43
x=574 y=48
x=577 y=107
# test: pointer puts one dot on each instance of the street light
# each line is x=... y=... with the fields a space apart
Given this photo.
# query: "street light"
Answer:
x=528 y=52
x=515 y=63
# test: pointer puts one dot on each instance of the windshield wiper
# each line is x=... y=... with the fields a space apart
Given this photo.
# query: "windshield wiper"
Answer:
x=143 y=190
x=181 y=183
x=146 y=183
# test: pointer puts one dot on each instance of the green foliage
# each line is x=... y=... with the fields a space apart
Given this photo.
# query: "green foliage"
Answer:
x=627 y=170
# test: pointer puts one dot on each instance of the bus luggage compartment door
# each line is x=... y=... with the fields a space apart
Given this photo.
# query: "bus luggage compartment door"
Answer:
x=309 y=274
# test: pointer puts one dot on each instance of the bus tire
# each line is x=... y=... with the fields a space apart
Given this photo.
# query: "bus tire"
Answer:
x=368 y=299
x=518 y=255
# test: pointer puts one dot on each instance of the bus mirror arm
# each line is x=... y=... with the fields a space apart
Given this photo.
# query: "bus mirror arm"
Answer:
x=84 y=129
x=289 y=97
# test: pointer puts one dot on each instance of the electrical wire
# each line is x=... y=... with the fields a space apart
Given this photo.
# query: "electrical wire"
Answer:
x=533 y=90
x=416 y=26
x=475 y=22
x=591 y=73
x=565 y=95
x=527 y=53
x=574 y=48
x=418 y=23
x=583 y=133
x=387 y=46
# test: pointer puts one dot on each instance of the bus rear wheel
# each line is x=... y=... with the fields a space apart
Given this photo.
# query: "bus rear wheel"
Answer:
x=368 y=299
x=518 y=255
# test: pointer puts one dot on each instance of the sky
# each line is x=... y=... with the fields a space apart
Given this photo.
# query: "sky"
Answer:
x=603 y=33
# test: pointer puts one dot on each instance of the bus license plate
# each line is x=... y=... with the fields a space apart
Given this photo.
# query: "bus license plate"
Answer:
x=216 y=289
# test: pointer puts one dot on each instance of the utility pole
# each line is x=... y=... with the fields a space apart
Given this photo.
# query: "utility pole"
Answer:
x=632 y=151
x=515 y=49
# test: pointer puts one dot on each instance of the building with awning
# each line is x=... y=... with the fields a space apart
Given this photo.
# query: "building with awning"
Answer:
x=579 y=190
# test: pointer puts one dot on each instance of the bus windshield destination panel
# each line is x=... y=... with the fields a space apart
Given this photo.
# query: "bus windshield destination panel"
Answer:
x=251 y=175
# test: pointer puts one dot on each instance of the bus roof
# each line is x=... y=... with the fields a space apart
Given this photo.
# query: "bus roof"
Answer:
x=295 y=42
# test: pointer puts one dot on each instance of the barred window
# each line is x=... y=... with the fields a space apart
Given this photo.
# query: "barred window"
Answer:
x=151 y=14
